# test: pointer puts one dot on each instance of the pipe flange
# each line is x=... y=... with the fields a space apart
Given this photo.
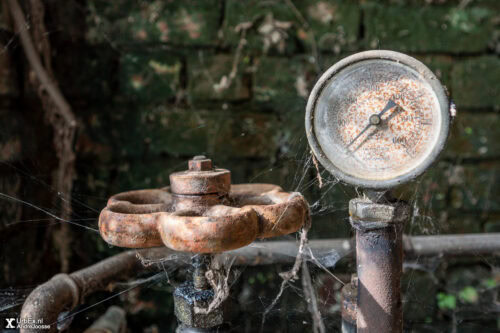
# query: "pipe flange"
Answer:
x=368 y=215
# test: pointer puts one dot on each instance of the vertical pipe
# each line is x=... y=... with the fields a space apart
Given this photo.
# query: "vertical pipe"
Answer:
x=379 y=256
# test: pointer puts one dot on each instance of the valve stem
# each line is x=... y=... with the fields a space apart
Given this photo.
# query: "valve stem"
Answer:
x=200 y=264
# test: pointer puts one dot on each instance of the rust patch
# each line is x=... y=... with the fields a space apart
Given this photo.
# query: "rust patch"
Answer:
x=201 y=212
x=379 y=257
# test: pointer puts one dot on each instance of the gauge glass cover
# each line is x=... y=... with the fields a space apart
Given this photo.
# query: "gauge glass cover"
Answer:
x=377 y=121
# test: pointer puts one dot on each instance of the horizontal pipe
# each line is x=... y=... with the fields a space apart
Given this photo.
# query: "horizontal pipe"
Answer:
x=63 y=292
x=283 y=252
x=452 y=245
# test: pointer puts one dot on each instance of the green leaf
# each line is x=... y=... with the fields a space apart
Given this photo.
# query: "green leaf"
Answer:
x=446 y=301
x=489 y=283
x=468 y=295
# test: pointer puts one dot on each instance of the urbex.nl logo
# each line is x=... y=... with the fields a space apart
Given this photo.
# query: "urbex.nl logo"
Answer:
x=11 y=323
x=25 y=323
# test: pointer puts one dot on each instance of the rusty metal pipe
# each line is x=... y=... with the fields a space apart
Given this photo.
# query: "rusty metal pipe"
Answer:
x=64 y=292
x=379 y=257
x=284 y=252
x=451 y=245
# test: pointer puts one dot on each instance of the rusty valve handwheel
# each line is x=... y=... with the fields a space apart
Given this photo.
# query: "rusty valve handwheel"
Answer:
x=201 y=212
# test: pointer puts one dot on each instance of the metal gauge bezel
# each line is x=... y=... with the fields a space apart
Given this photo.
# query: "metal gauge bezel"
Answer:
x=425 y=73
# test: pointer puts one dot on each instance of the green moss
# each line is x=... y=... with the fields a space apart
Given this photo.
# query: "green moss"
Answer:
x=188 y=22
x=151 y=77
x=474 y=135
x=428 y=28
x=475 y=83
x=270 y=25
x=211 y=77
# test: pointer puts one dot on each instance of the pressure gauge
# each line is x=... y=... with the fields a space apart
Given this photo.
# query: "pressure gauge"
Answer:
x=377 y=119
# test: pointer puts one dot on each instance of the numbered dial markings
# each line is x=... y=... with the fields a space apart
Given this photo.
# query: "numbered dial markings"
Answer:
x=377 y=119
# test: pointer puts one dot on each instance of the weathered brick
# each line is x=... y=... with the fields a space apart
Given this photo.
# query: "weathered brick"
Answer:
x=428 y=195
x=335 y=24
x=474 y=135
x=282 y=27
x=149 y=77
x=134 y=174
x=158 y=130
x=283 y=84
x=474 y=187
x=210 y=77
x=447 y=190
x=109 y=135
x=269 y=26
x=448 y=187
x=428 y=28
x=440 y=65
x=475 y=83
x=188 y=22
x=189 y=132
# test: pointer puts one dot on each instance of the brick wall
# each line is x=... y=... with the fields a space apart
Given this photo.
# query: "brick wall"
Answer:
x=231 y=78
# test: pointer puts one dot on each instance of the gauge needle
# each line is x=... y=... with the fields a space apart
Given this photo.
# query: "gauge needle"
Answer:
x=390 y=104
x=375 y=119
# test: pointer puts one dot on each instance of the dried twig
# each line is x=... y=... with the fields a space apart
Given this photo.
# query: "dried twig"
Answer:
x=311 y=35
x=218 y=278
x=292 y=274
x=48 y=84
x=226 y=81
x=312 y=301
x=57 y=111
x=318 y=174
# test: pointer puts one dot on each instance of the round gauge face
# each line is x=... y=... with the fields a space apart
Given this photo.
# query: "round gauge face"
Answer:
x=377 y=119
